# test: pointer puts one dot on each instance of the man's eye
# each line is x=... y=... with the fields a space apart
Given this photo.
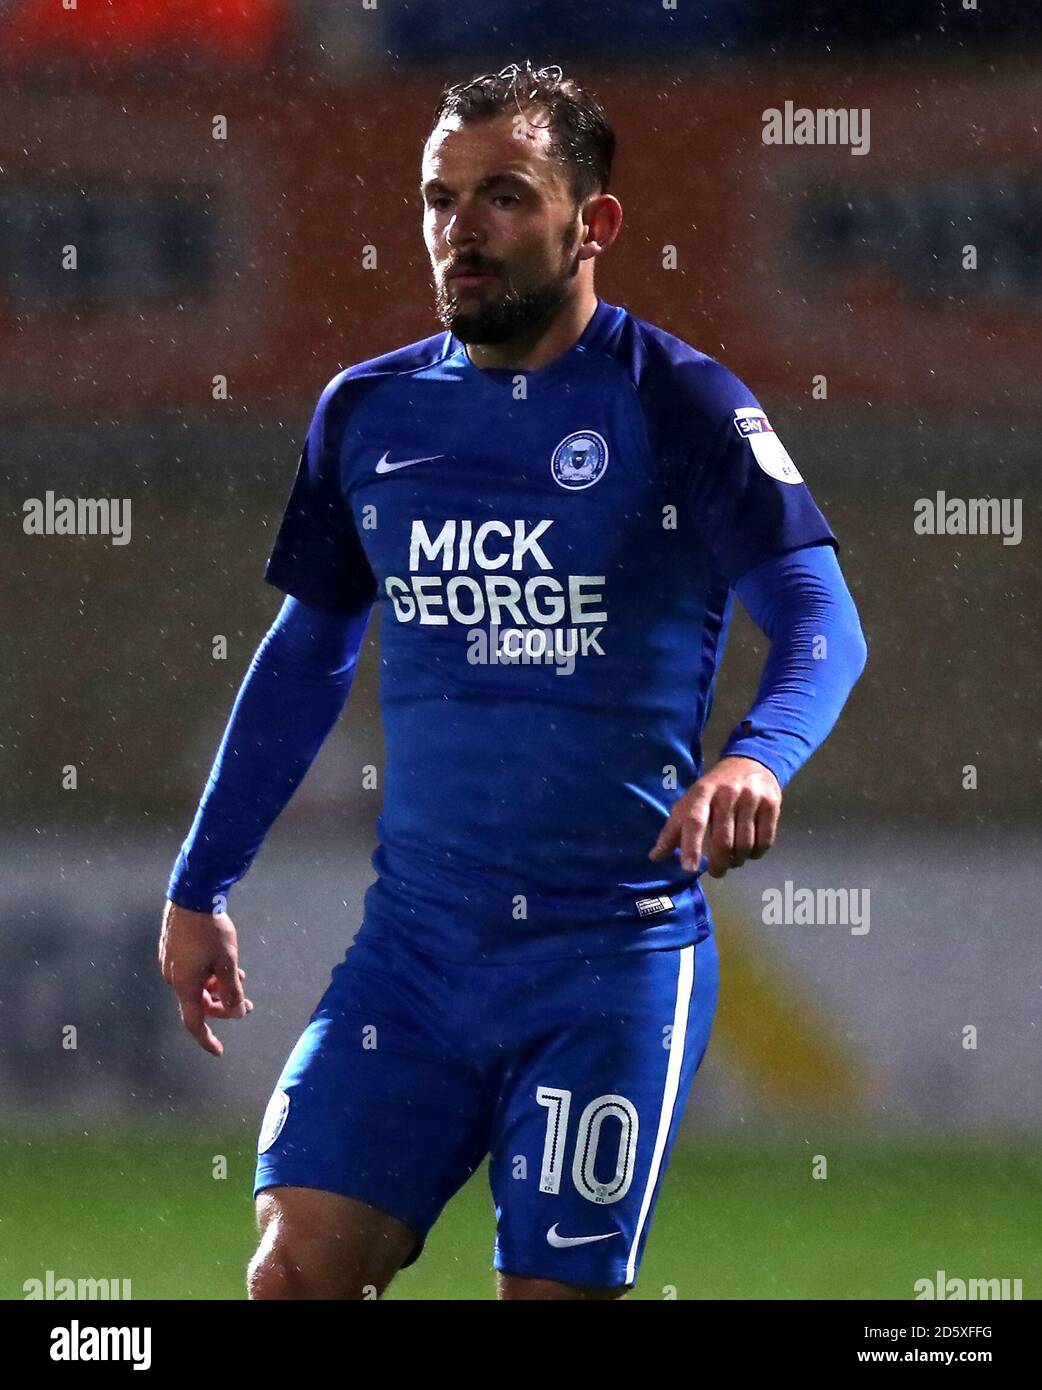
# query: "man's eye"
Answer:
x=507 y=197
x=438 y=202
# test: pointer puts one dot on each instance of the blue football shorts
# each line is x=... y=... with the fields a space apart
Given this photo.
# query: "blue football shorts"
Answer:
x=570 y=1075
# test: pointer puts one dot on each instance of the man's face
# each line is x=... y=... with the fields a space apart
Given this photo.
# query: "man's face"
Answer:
x=497 y=203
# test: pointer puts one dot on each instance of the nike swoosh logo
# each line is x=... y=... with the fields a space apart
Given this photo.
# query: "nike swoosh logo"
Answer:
x=384 y=467
x=563 y=1242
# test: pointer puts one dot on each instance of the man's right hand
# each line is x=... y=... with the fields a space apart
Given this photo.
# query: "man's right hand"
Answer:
x=199 y=958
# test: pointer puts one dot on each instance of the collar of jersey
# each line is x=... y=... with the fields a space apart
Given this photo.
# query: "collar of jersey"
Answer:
x=596 y=332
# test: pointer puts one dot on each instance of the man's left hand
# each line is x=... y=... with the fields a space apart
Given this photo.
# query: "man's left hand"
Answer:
x=732 y=811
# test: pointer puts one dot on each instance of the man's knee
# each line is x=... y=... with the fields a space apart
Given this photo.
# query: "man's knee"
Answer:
x=287 y=1265
x=317 y=1245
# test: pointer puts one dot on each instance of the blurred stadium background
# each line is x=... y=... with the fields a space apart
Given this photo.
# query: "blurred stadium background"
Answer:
x=244 y=258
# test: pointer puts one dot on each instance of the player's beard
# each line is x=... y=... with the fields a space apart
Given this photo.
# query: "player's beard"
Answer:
x=514 y=314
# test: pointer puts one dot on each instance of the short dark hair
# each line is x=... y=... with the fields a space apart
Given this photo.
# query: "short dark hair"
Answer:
x=581 y=136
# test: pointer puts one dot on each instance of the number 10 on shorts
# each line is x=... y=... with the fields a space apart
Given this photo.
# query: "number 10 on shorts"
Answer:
x=558 y=1104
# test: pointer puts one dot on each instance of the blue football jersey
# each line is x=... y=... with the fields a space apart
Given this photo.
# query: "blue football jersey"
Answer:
x=553 y=555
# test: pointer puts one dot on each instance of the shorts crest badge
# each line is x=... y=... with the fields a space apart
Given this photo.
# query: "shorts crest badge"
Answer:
x=274 y=1119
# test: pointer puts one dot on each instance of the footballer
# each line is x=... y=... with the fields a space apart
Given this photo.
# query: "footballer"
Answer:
x=554 y=504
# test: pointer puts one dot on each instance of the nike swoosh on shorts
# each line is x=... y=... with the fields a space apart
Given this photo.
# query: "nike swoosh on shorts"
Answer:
x=563 y=1242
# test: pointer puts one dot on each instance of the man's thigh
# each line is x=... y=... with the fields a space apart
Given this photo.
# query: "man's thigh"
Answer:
x=587 y=1119
x=374 y=1103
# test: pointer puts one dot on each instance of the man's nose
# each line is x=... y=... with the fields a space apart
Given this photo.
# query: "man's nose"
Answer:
x=463 y=228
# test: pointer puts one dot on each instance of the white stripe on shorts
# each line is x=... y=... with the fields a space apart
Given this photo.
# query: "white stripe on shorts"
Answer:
x=677 y=1043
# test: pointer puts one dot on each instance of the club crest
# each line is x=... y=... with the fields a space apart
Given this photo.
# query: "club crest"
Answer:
x=579 y=460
